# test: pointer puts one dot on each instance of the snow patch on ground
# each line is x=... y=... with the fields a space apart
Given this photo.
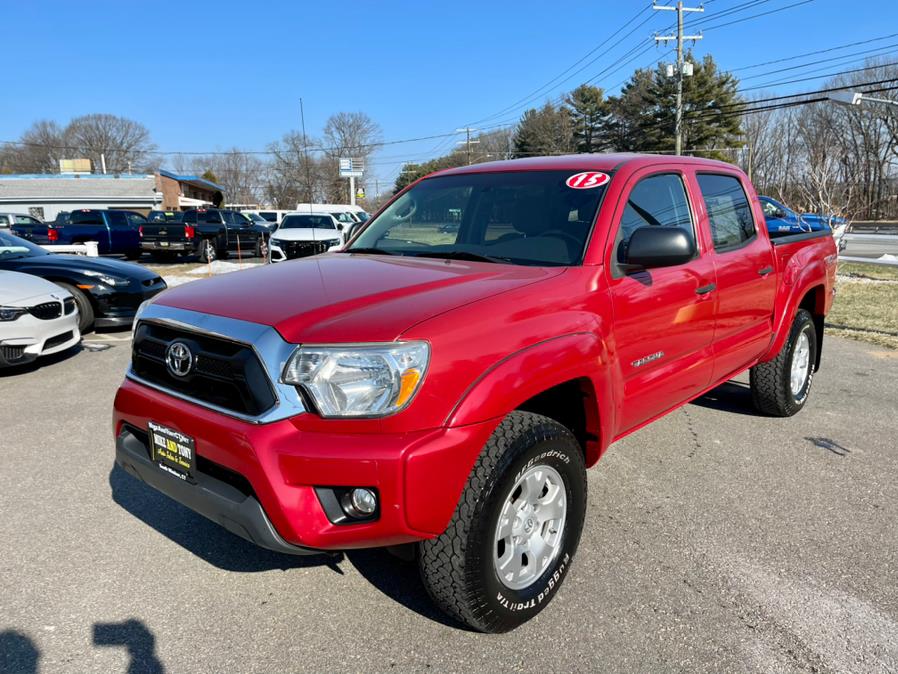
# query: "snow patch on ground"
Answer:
x=202 y=271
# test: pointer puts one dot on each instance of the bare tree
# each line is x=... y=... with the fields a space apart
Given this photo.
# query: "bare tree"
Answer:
x=239 y=173
x=124 y=144
x=347 y=134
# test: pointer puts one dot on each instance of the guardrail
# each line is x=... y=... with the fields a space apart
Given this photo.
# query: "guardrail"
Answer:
x=888 y=262
x=88 y=248
x=852 y=236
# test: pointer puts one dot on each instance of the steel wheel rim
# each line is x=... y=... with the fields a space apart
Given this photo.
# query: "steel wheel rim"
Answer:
x=801 y=361
x=210 y=251
x=530 y=527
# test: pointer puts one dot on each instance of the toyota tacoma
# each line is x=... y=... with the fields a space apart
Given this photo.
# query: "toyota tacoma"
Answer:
x=443 y=389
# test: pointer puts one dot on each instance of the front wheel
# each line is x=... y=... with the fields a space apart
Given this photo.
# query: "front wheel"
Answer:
x=515 y=530
x=85 y=308
x=780 y=387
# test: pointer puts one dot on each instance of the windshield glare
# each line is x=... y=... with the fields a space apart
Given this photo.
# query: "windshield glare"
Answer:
x=307 y=222
x=527 y=217
x=13 y=246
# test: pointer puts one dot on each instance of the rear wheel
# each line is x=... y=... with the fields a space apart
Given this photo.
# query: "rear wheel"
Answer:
x=85 y=308
x=208 y=251
x=514 y=533
x=780 y=387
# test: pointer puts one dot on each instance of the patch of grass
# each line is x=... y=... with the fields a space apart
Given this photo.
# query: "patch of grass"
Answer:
x=866 y=311
x=874 y=271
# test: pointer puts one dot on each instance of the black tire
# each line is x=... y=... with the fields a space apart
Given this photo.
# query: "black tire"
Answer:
x=208 y=251
x=133 y=254
x=771 y=382
x=262 y=247
x=85 y=308
x=458 y=567
x=164 y=256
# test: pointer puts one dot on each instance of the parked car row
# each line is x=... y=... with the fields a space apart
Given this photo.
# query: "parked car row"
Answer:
x=94 y=292
x=210 y=233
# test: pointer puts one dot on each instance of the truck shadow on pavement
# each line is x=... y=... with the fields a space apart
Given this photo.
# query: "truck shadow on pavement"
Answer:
x=395 y=578
x=733 y=397
x=204 y=538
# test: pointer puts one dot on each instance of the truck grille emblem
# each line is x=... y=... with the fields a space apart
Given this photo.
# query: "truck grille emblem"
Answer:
x=179 y=359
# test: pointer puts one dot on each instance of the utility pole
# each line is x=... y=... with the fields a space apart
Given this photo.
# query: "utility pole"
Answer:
x=679 y=37
x=467 y=141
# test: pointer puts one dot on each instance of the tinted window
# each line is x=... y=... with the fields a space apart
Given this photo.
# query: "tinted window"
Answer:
x=728 y=210
x=307 y=222
x=86 y=218
x=190 y=217
x=656 y=201
x=136 y=219
x=25 y=220
x=271 y=217
x=4 y=220
x=117 y=219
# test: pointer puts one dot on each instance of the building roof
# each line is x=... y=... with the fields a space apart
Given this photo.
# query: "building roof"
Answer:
x=56 y=187
x=197 y=181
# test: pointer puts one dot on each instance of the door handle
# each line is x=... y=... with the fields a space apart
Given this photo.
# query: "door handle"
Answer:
x=765 y=271
x=704 y=290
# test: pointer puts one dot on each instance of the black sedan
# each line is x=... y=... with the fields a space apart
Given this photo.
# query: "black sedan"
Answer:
x=107 y=292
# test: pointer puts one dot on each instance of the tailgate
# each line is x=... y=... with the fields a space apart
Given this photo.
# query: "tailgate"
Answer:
x=163 y=231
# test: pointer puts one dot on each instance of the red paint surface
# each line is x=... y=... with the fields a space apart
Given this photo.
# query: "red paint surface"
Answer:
x=499 y=335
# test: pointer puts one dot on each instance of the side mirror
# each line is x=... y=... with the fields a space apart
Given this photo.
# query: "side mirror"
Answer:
x=340 y=226
x=779 y=213
x=655 y=246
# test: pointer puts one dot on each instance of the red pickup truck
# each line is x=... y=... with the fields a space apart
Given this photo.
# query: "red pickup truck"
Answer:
x=445 y=380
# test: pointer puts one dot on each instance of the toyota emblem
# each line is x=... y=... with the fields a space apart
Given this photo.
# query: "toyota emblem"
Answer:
x=179 y=359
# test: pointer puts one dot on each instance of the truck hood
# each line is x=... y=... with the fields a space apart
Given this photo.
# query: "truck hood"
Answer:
x=350 y=298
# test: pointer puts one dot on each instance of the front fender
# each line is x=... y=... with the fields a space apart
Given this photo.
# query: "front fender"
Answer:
x=436 y=473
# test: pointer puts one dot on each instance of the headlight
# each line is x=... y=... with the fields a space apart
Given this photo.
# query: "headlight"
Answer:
x=11 y=313
x=108 y=279
x=368 y=380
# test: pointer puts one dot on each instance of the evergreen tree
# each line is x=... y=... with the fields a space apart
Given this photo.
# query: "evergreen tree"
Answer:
x=589 y=117
x=644 y=115
x=546 y=131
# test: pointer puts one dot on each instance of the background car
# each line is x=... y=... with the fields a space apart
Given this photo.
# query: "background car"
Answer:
x=165 y=216
x=37 y=318
x=304 y=234
x=107 y=292
x=8 y=220
x=210 y=233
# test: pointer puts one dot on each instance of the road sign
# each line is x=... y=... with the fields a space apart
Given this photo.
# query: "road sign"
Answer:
x=351 y=168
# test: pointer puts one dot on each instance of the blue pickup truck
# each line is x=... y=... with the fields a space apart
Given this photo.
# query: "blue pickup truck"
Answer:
x=115 y=231
x=782 y=219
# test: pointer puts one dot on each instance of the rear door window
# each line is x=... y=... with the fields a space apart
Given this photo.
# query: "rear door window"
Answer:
x=117 y=219
x=729 y=213
x=86 y=218
x=4 y=221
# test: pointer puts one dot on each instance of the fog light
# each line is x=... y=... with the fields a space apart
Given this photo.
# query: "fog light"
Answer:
x=363 y=501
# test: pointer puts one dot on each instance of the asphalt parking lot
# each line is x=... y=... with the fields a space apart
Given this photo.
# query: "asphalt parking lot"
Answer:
x=716 y=540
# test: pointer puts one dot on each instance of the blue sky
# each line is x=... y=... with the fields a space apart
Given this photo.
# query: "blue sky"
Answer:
x=211 y=75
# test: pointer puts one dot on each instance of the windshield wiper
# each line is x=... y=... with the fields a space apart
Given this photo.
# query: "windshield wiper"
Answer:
x=465 y=255
x=369 y=251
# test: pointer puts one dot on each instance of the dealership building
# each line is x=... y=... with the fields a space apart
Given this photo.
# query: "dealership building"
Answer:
x=46 y=195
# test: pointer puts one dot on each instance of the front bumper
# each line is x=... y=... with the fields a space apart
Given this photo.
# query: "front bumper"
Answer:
x=28 y=338
x=418 y=475
x=224 y=504
x=116 y=307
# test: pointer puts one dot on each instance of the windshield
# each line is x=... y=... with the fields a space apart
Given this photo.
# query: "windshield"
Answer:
x=255 y=217
x=165 y=216
x=12 y=246
x=307 y=222
x=527 y=217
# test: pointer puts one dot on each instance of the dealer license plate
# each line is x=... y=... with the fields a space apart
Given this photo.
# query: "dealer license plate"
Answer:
x=172 y=451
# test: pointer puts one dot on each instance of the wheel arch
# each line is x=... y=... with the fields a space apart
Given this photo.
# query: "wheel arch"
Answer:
x=563 y=378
